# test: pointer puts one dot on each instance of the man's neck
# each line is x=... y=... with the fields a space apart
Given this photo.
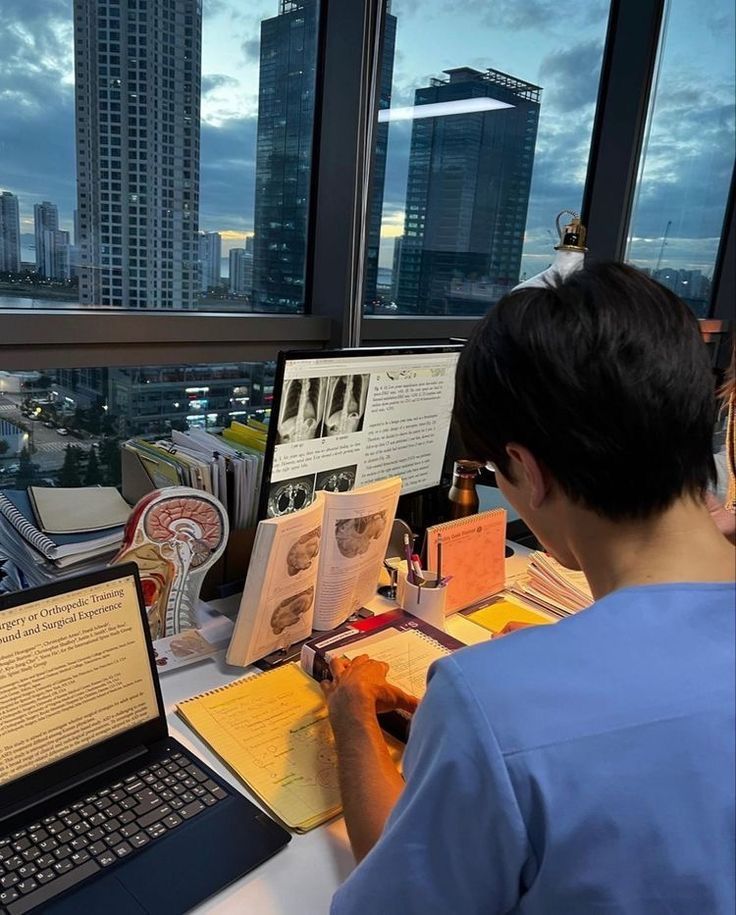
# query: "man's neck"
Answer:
x=681 y=544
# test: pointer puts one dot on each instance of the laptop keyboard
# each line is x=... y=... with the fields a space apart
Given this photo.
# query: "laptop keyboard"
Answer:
x=61 y=850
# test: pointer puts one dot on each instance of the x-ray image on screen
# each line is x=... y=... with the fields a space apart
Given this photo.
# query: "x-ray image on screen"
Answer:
x=302 y=408
x=345 y=405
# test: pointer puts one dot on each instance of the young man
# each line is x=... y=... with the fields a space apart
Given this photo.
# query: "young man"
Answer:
x=585 y=768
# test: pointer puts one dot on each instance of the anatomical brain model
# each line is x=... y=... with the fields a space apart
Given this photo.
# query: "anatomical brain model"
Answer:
x=174 y=535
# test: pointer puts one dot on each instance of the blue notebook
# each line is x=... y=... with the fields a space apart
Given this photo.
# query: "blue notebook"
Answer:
x=16 y=507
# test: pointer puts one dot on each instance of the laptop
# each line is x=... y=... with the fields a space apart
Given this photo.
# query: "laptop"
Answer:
x=100 y=809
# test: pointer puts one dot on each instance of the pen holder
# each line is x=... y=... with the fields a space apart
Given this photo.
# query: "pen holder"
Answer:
x=426 y=602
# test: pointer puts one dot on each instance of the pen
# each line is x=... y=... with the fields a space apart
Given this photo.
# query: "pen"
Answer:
x=439 y=560
x=409 y=569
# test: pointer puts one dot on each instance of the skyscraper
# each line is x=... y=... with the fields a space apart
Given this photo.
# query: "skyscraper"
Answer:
x=45 y=219
x=241 y=271
x=9 y=233
x=378 y=177
x=396 y=266
x=470 y=170
x=56 y=255
x=210 y=252
x=283 y=155
x=138 y=80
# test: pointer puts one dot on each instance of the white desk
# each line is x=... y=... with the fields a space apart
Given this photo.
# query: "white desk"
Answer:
x=300 y=878
x=303 y=877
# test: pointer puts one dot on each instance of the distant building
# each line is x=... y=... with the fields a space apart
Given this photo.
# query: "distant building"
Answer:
x=396 y=267
x=241 y=271
x=137 y=85
x=288 y=57
x=152 y=400
x=9 y=233
x=690 y=285
x=45 y=219
x=249 y=244
x=378 y=177
x=283 y=154
x=468 y=187
x=210 y=252
x=56 y=255
x=16 y=438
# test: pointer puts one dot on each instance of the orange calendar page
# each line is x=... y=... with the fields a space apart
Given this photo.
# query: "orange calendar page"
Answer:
x=472 y=556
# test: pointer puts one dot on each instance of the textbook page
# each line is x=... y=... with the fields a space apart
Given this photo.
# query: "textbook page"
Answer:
x=408 y=654
x=356 y=527
x=277 y=606
x=272 y=730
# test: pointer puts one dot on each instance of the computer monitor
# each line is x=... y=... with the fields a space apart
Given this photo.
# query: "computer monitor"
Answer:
x=344 y=418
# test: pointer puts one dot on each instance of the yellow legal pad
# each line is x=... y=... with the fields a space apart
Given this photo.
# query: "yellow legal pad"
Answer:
x=272 y=730
x=502 y=612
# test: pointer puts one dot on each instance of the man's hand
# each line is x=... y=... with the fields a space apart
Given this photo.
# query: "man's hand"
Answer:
x=359 y=688
x=370 y=783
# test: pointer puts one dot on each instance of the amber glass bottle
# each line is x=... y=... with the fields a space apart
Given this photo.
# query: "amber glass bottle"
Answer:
x=463 y=495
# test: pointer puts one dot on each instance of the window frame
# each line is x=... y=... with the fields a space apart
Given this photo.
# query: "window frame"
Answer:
x=342 y=155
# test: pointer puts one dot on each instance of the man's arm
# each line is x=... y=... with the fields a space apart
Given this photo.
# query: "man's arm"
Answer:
x=370 y=783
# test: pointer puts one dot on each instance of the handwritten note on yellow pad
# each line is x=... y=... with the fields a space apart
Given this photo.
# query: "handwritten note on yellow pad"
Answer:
x=272 y=731
x=499 y=614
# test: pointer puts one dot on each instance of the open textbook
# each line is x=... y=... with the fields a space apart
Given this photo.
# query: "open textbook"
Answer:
x=313 y=568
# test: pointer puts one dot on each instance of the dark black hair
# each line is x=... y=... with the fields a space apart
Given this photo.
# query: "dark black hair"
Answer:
x=605 y=378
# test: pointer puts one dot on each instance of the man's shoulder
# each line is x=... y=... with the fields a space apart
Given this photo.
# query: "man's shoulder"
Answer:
x=553 y=683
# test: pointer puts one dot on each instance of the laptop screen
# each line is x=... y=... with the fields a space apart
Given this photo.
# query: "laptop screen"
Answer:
x=74 y=671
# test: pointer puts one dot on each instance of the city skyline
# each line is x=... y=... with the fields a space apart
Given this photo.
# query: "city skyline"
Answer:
x=36 y=86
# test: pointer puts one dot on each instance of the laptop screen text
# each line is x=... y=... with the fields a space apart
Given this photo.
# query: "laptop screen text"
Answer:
x=74 y=671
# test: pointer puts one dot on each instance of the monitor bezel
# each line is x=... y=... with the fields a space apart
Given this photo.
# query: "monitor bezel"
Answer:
x=29 y=789
x=302 y=355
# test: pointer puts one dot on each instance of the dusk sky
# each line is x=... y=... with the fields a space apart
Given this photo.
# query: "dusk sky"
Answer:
x=686 y=171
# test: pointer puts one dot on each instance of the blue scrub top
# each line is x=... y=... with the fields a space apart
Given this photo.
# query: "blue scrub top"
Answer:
x=585 y=768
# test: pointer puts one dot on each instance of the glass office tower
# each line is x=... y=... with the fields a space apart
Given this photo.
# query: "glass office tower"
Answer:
x=138 y=80
x=470 y=169
x=283 y=156
x=378 y=178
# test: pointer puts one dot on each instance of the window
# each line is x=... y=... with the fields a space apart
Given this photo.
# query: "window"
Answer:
x=100 y=407
x=688 y=158
x=482 y=138
x=469 y=231
x=203 y=74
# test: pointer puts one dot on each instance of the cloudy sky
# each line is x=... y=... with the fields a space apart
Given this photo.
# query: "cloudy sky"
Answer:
x=685 y=173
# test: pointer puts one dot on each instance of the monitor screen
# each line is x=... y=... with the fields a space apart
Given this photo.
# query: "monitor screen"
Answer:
x=346 y=418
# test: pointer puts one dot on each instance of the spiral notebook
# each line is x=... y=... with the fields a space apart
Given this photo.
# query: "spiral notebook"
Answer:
x=272 y=731
x=470 y=551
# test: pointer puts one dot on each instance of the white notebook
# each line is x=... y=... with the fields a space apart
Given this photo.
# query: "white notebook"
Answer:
x=78 y=509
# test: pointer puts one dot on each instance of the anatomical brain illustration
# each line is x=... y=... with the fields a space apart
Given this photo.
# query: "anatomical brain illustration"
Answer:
x=174 y=535
x=355 y=535
x=291 y=610
x=303 y=552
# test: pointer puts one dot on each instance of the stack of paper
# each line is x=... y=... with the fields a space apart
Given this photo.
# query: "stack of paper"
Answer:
x=550 y=587
x=44 y=531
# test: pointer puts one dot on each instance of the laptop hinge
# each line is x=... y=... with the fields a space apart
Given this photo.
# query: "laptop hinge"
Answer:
x=71 y=783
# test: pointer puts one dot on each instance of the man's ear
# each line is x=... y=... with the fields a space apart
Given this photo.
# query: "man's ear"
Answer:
x=528 y=471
